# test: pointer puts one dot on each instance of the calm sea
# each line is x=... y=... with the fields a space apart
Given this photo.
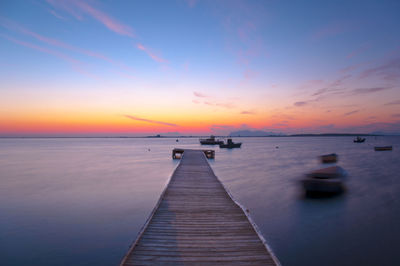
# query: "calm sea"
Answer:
x=83 y=201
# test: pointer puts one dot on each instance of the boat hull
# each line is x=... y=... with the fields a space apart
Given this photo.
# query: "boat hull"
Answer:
x=206 y=142
x=313 y=185
x=384 y=148
x=329 y=158
x=325 y=180
x=230 y=146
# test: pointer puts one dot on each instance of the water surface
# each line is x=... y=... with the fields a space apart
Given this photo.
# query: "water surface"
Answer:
x=83 y=201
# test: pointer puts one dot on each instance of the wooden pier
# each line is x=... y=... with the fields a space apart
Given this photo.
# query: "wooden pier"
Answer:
x=196 y=222
x=177 y=153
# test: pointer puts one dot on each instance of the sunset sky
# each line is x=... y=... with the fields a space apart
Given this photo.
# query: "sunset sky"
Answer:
x=112 y=68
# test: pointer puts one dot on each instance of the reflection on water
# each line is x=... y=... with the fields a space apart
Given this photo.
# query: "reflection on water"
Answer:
x=82 y=201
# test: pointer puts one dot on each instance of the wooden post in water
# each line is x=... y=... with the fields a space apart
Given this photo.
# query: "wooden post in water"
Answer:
x=196 y=222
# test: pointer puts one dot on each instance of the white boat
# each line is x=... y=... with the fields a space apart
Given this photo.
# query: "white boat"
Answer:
x=325 y=180
x=211 y=141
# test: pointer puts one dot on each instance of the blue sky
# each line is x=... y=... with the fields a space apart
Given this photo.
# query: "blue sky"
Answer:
x=298 y=66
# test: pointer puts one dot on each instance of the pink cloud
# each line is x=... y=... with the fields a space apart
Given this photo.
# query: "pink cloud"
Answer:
x=76 y=64
x=340 y=80
x=67 y=6
x=351 y=112
x=200 y=95
x=396 y=102
x=247 y=113
x=249 y=74
x=359 y=91
x=42 y=49
x=151 y=54
x=16 y=27
x=73 y=6
x=390 y=70
x=54 y=13
x=299 y=104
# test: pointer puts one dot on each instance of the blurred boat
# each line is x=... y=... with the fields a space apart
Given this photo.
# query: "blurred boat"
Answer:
x=211 y=141
x=230 y=144
x=359 y=140
x=325 y=180
x=329 y=158
x=383 y=148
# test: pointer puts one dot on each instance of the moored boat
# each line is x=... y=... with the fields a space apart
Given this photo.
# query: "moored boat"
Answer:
x=230 y=144
x=329 y=158
x=359 y=140
x=211 y=141
x=325 y=180
x=383 y=148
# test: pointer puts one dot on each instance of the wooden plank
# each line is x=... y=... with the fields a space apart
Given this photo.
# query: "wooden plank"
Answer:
x=196 y=222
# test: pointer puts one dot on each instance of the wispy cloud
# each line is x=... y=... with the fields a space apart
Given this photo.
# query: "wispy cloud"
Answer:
x=200 y=95
x=299 y=104
x=351 y=112
x=340 y=80
x=321 y=91
x=211 y=101
x=360 y=50
x=13 y=26
x=389 y=70
x=76 y=8
x=54 y=13
x=150 y=121
x=247 y=113
x=42 y=49
x=151 y=53
x=396 y=102
x=76 y=64
x=67 y=6
x=396 y=115
x=368 y=90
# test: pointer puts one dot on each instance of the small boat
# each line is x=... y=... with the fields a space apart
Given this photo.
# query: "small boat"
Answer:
x=325 y=180
x=383 y=148
x=230 y=144
x=359 y=140
x=211 y=141
x=329 y=158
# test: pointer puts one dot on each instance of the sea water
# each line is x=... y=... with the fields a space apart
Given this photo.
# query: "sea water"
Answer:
x=82 y=201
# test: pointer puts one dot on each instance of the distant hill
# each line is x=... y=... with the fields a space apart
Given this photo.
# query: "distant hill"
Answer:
x=255 y=133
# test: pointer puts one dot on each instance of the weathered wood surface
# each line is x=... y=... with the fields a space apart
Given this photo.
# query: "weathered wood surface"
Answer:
x=196 y=222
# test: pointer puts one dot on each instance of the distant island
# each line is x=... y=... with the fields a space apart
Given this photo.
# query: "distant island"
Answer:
x=255 y=133
x=259 y=133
